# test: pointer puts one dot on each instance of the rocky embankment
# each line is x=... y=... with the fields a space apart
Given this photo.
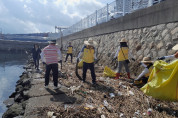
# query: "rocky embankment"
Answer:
x=110 y=98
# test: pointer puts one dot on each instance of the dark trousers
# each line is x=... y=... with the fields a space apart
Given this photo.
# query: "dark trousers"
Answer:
x=54 y=68
x=90 y=66
x=144 y=79
x=36 y=62
x=67 y=57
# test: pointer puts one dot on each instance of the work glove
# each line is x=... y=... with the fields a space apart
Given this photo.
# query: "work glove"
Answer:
x=60 y=61
x=114 y=58
x=133 y=59
x=95 y=60
x=161 y=58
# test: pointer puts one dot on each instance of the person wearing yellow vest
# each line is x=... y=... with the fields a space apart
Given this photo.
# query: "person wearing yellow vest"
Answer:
x=123 y=55
x=69 y=52
x=171 y=56
x=88 y=57
x=144 y=75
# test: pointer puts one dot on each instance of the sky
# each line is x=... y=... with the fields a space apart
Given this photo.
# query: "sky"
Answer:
x=39 y=16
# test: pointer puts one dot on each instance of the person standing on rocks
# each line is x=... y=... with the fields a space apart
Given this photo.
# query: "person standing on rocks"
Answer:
x=89 y=56
x=36 y=55
x=123 y=55
x=49 y=56
x=69 y=51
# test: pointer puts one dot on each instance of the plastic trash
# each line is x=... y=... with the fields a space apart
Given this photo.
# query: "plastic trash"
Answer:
x=111 y=95
x=50 y=114
x=99 y=110
x=131 y=93
x=107 y=106
x=66 y=106
x=121 y=115
x=149 y=111
x=74 y=88
x=103 y=116
x=105 y=103
x=119 y=93
x=137 y=112
x=102 y=78
x=89 y=106
x=120 y=83
x=108 y=72
x=123 y=86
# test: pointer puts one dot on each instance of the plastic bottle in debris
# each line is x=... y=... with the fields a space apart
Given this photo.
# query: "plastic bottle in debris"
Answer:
x=111 y=95
x=108 y=107
x=105 y=103
x=149 y=111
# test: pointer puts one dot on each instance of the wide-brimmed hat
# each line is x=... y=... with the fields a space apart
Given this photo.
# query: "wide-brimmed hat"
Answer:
x=52 y=41
x=147 y=60
x=123 y=40
x=175 y=47
x=91 y=42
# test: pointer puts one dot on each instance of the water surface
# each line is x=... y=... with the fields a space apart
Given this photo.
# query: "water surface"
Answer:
x=11 y=67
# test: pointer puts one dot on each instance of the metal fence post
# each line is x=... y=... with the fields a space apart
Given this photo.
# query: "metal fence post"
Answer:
x=123 y=7
x=96 y=20
x=87 y=21
x=107 y=17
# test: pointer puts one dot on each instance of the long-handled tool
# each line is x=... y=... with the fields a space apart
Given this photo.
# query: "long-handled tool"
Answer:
x=76 y=71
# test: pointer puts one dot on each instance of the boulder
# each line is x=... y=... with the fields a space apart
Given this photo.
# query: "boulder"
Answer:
x=19 y=88
x=13 y=111
x=18 y=97
x=9 y=102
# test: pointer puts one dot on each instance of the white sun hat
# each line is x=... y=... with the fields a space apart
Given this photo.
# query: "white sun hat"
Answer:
x=91 y=42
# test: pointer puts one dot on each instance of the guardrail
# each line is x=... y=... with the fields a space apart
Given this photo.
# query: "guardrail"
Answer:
x=111 y=11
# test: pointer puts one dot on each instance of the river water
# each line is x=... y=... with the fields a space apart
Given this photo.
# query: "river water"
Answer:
x=11 y=67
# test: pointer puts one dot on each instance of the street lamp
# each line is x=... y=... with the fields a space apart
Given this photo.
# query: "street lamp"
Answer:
x=60 y=29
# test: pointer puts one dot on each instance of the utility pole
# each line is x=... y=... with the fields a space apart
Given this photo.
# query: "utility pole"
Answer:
x=1 y=33
x=60 y=29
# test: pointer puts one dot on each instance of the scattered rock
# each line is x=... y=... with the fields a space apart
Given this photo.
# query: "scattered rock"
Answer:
x=9 y=102
x=13 y=111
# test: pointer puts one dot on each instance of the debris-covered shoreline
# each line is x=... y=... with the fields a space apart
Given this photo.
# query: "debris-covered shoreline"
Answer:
x=110 y=98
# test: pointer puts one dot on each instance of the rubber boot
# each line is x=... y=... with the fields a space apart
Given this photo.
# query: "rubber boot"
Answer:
x=117 y=75
x=128 y=74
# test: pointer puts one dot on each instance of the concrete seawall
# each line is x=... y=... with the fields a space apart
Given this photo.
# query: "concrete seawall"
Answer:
x=163 y=13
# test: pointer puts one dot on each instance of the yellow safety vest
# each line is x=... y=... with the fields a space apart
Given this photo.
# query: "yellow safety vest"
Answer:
x=148 y=74
x=121 y=56
x=69 y=51
x=88 y=55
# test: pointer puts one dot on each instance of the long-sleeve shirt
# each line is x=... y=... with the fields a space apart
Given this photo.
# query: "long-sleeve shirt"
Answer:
x=144 y=72
x=36 y=53
x=51 y=54
x=170 y=57
x=116 y=54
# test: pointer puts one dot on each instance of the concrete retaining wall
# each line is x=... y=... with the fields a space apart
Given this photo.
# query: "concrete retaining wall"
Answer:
x=150 y=32
x=154 y=42
x=162 y=13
